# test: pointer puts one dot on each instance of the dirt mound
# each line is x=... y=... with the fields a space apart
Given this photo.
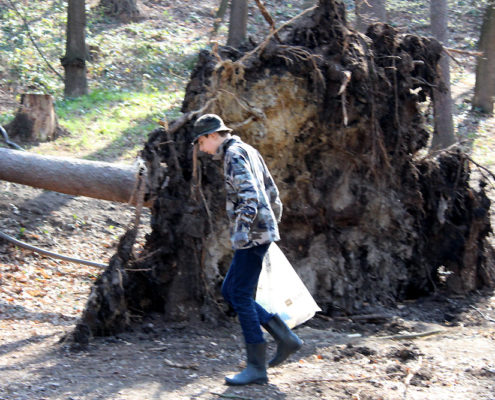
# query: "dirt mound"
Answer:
x=336 y=116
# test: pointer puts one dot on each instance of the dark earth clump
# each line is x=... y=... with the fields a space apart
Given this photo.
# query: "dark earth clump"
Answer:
x=369 y=217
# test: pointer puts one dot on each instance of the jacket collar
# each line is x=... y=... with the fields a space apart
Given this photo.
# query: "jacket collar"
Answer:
x=224 y=146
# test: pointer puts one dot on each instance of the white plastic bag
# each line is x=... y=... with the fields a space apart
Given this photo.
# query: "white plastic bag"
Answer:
x=281 y=291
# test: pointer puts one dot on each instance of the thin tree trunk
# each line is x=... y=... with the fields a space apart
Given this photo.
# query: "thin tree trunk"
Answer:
x=74 y=61
x=368 y=12
x=222 y=9
x=238 y=23
x=99 y=180
x=484 y=91
x=442 y=98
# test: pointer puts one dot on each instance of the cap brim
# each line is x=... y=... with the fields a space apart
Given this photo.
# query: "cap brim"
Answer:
x=223 y=129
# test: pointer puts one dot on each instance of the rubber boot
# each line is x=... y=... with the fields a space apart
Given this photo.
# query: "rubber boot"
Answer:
x=255 y=371
x=287 y=341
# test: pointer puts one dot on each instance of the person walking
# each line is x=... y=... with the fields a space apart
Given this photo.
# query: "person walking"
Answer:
x=254 y=210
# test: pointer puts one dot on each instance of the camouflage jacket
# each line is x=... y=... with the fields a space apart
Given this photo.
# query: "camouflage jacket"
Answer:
x=253 y=204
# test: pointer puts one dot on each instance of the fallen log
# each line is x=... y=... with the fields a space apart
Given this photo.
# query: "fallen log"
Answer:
x=96 y=179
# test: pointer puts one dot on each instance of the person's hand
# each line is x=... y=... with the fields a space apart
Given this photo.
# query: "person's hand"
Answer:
x=239 y=239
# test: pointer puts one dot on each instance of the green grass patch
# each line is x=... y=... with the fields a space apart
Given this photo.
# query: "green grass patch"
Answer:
x=484 y=144
x=111 y=125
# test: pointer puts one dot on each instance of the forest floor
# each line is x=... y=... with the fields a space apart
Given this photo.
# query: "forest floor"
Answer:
x=440 y=347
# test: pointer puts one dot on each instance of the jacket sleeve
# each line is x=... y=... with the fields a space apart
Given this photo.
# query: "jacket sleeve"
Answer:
x=275 y=201
x=272 y=192
x=241 y=178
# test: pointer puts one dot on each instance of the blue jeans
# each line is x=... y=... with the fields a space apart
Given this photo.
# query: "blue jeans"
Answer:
x=238 y=290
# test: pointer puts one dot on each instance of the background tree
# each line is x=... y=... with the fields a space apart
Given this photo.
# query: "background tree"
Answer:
x=238 y=22
x=220 y=14
x=484 y=90
x=442 y=97
x=369 y=12
x=74 y=61
x=125 y=10
x=308 y=3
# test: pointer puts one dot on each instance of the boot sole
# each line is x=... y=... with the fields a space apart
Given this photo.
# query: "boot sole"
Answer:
x=261 y=381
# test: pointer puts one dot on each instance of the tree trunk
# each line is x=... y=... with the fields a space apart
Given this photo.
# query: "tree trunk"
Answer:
x=222 y=9
x=125 y=10
x=369 y=12
x=238 y=23
x=35 y=120
x=442 y=97
x=484 y=91
x=74 y=60
x=95 y=179
x=366 y=220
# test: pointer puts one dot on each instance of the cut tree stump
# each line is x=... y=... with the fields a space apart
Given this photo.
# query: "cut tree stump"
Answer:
x=125 y=10
x=35 y=120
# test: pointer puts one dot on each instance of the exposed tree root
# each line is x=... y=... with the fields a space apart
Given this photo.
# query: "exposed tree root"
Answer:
x=336 y=116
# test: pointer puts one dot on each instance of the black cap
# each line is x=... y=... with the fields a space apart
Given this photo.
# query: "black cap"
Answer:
x=207 y=124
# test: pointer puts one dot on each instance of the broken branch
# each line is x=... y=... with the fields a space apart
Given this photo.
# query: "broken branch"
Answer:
x=49 y=253
x=182 y=366
x=268 y=18
x=365 y=317
x=28 y=30
x=481 y=167
x=413 y=335
x=483 y=315
x=262 y=45
x=364 y=378
x=465 y=52
x=230 y=396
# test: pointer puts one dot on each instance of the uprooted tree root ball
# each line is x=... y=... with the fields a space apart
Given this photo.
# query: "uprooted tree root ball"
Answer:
x=336 y=116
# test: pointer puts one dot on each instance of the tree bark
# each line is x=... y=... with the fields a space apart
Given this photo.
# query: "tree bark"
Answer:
x=369 y=12
x=35 y=120
x=74 y=60
x=484 y=91
x=238 y=23
x=220 y=14
x=308 y=3
x=76 y=177
x=125 y=10
x=442 y=98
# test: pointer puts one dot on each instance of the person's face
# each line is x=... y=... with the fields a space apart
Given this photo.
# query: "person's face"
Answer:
x=209 y=143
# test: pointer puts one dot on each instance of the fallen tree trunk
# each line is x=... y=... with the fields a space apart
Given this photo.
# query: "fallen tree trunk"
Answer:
x=99 y=180
x=367 y=219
